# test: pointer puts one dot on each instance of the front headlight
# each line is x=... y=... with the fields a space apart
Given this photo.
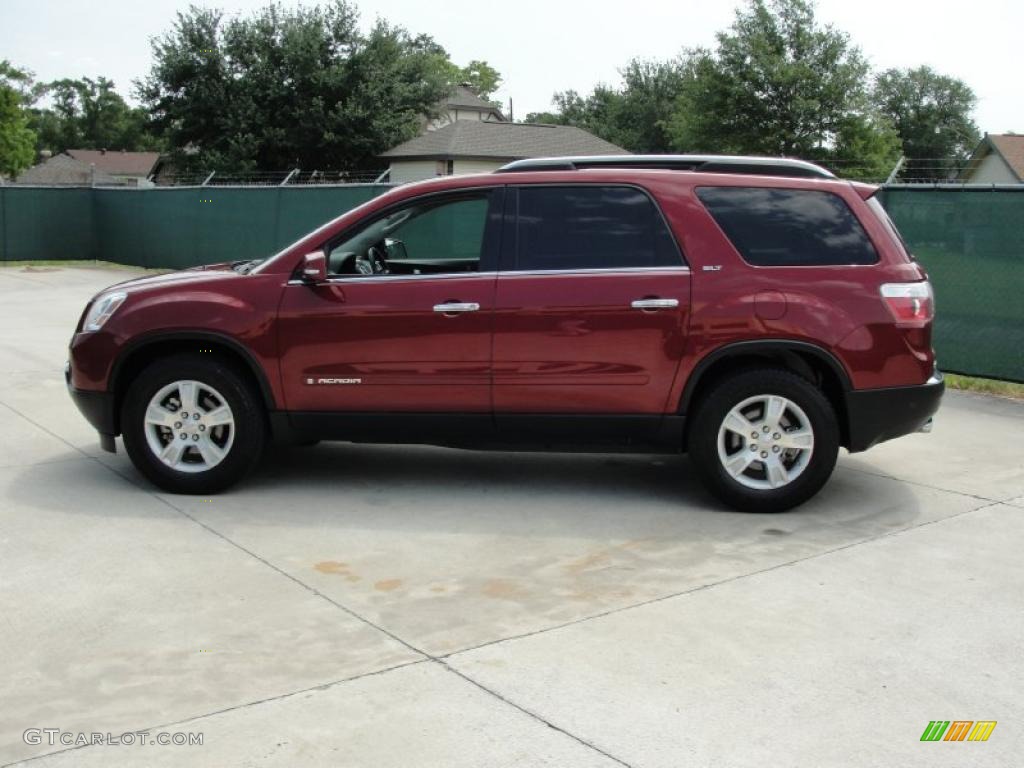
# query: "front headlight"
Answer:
x=102 y=309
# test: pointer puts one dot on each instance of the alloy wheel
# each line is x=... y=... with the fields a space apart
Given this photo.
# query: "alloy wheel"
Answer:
x=765 y=442
x=189 y=426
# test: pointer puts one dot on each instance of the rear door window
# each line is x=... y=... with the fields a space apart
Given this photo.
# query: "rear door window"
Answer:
x=590 y=227
x=789 y=227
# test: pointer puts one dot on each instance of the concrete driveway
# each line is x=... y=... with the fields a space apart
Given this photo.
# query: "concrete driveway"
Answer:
x=408 y=606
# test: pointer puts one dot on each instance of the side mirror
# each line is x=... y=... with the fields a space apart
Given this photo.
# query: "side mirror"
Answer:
x=314 y=267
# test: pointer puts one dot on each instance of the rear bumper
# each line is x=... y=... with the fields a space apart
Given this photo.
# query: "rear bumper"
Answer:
x=877 y=415
x=98 y=409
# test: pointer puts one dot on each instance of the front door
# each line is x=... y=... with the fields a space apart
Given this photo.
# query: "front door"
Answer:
x=590 y=314
x=403 y=322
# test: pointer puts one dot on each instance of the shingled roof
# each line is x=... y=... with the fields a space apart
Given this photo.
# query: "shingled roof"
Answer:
x=117 y=162
x=462 y=97
x=1010 y=147
x=65 y=170
x=504 y=141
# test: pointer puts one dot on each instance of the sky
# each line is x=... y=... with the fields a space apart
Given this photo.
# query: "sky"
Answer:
x=543 y=46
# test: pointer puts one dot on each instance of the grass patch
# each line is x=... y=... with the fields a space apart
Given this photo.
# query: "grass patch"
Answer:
x=985 y=386
x=87 y=263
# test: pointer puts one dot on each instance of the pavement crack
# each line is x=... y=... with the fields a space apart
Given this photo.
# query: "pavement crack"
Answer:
x=919 y=484
x=425 y=656
x=233 y=708
x=530 y=713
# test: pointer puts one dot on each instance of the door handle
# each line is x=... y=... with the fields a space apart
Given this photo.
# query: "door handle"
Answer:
x=455 y=307
x=655 y=304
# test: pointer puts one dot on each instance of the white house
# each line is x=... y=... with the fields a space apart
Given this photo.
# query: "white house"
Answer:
x=480 y=146
x=998 y=159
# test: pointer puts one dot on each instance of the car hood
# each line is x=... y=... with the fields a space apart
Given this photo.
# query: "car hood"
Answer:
x=182 y=277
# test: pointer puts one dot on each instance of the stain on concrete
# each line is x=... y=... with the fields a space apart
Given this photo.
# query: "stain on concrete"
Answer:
x=504 y=589
x=338 y=568
x=387 y=585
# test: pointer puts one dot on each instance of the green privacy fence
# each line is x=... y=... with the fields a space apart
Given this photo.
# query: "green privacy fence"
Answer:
x=971 y=241
x=179 y=227
x=46 y=223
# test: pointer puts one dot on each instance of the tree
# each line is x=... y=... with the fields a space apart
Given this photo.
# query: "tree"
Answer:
x=292 y=87
x=636 y=117
x=89 y=114
x=17 y=141
x=481 y=76
x=779 y=83
x=598 y=113
x=932 y=116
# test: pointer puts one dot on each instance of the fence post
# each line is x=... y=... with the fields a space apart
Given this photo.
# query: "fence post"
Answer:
x=896 y=169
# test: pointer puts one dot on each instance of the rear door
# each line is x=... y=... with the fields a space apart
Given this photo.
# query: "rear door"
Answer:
x=591 y=303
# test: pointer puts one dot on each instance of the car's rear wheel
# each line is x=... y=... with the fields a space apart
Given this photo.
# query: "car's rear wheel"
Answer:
x=764 y=440
x=193 y=424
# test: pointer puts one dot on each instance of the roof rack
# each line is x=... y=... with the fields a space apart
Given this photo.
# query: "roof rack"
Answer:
x=760 y=166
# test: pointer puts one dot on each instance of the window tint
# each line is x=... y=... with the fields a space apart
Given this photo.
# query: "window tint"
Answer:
x=789 y=227
x=591 y=227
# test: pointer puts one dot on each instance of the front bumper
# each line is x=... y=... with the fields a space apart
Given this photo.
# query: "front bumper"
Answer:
x=98 y=409
x=876 y=415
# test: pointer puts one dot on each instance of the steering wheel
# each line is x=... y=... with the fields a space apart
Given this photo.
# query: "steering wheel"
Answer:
x=377 y=260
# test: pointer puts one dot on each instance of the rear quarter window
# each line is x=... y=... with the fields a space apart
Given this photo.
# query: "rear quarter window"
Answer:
x=789 y=227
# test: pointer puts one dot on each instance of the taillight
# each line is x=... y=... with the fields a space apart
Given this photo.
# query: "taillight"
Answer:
x=912 y=304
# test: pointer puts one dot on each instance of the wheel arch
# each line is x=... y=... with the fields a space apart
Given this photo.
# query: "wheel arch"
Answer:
x=811 y=361
x=142 y=351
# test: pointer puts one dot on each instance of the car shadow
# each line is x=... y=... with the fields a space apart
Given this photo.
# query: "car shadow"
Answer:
x=420 y=488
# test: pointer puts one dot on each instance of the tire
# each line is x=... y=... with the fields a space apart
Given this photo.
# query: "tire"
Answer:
x=781 y=467
x=219 y=446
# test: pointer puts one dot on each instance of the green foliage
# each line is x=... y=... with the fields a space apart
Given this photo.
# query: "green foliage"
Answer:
x=292 y=88
x=867 y=147
x=89 y=114
x=932 y=116
x=637 y=116
x=17 y=141
x=598 y=113
x=779 y=83
x=481 y=76
x=776 y=83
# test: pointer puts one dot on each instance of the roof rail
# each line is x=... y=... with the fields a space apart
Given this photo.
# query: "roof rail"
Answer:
x=760 y=166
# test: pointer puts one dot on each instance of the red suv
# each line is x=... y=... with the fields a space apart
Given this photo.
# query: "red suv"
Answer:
x=755 y=313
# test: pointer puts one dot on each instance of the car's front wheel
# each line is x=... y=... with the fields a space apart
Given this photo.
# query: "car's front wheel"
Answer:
x=193 y=424
x=764 y=440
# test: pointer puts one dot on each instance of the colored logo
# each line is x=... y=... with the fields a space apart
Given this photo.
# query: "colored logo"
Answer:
x=958 y=730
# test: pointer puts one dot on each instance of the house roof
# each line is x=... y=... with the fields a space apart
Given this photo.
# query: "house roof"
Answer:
x=64 y=169
x=118 y=162
x=1012 y=150
x=463 y=97
x=505 y=141
x=1009 y=147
